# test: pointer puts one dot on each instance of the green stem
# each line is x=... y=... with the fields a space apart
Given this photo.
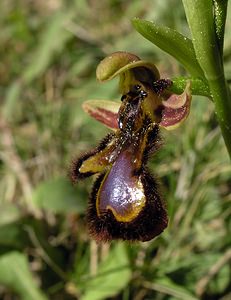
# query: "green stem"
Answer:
x=220 y=11
x=206 y=44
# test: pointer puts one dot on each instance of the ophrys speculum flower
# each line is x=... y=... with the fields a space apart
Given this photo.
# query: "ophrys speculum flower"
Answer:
x=125 y=201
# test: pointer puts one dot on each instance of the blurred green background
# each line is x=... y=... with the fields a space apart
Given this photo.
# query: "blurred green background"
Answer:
x=49 y=52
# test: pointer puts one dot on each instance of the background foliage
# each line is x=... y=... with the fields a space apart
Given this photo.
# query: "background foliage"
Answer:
x=49 y=53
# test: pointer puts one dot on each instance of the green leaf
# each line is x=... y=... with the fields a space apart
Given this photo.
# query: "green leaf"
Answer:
x=60 y=196
x=15 y=274
x=9 y=213
x=113 y=275
x=172 y=42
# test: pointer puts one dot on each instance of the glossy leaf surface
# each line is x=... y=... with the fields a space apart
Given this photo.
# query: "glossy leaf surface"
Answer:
x=171 y=42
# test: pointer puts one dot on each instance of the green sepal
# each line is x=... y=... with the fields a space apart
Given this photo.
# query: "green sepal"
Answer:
x=129 y=67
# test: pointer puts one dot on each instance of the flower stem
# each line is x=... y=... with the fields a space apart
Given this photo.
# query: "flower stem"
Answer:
x=220 y=11
x=207 y=41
